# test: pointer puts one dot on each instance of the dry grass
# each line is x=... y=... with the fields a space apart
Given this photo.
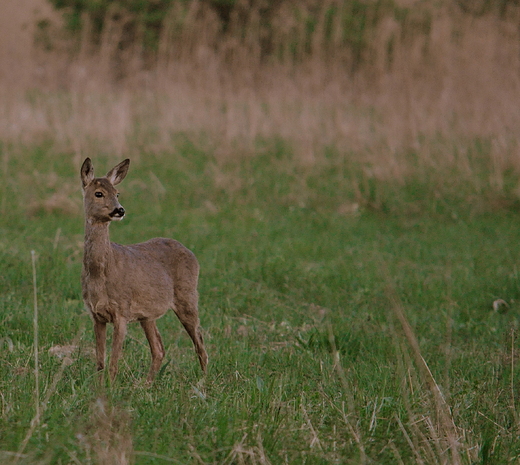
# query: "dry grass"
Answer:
x=441 y=431
x=433 y=102
x=458 y=79
x=107 y=440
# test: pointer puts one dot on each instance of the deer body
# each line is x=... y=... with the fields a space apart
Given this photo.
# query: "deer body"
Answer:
x=139 y=282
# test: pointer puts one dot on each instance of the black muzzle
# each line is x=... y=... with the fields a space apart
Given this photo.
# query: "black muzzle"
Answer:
x=118 y=213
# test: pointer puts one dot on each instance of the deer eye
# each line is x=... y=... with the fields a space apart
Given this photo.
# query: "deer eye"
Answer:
x=99 y=194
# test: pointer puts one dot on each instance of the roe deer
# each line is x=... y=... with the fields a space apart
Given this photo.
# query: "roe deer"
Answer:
x=138 y=282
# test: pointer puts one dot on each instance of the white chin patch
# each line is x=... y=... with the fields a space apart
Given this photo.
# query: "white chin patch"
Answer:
x=117 y=218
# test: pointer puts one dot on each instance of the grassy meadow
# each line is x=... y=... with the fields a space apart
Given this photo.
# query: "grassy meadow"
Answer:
x=302 y=289
x=359 y=244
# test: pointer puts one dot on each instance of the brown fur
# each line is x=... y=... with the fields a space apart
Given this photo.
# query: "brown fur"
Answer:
x=138 y=282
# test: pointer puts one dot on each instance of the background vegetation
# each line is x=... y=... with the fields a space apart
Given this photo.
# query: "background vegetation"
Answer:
x=349 y=183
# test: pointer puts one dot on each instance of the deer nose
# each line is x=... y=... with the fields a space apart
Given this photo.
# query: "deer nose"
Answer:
x=118 y=212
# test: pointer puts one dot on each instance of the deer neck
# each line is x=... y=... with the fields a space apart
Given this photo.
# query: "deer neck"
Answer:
x=98 y=250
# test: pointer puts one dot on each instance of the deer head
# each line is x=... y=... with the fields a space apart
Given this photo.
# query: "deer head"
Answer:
x=99 y=194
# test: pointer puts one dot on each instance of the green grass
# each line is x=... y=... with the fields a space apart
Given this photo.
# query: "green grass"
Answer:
x=308 y=363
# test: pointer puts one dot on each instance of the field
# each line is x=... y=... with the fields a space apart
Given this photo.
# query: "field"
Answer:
x=358 y=242
x=303 y=294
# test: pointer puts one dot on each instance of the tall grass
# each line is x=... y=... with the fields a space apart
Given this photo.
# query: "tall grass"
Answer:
x=433 y=93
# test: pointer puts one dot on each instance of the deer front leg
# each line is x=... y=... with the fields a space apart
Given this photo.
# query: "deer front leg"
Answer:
x=117 y=345
x=100 y=332
x=156 y=347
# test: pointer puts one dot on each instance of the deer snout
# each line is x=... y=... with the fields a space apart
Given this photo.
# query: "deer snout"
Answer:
x=117 y=213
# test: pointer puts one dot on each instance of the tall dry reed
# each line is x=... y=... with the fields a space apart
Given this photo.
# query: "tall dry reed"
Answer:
x=427 y=83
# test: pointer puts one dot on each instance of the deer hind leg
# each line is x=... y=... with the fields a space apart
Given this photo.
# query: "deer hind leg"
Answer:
x=100 y=332
x=117 y=345
x=187 y=312
x=156 y=347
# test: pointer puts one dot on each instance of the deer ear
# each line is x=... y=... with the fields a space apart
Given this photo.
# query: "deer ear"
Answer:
x=118 y=172
x=87 y=172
